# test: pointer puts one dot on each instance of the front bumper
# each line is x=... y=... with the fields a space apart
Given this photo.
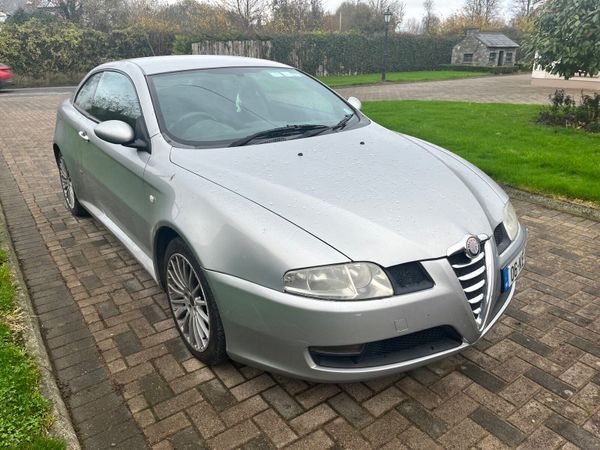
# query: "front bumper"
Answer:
x=274 y=330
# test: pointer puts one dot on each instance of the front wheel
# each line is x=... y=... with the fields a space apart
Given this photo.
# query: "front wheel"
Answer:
x=192 y=304
x=66 y=184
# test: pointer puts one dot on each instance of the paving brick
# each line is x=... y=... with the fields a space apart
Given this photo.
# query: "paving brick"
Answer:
x=348 y=408
x=345 y=435
x=312 y=419
x=385 y=428
x=422 y=418
x=155 y=389
x=107 y=324
x=504 y=431
x=275 y=428
x=317 y=394
x=252 y=387
x=529 y=417
x=542 y=438
x=244 y=410
x=420 y=393
x=530 y=343
x=478 y=375
x=217 y=395
x=464 y=435
x=187 y=439
x=206 y=420
x=549 y=382
x=572 y=433
x=520 y=391
x=588 y=398
x=181 y=402
x=166 y=427
x=234 y=437
x=284 y=403
x=314 y=441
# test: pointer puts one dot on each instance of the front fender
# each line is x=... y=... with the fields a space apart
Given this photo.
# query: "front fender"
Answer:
x=233 y=235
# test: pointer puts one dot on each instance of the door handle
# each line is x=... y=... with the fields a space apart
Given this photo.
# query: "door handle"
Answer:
x=83 y=135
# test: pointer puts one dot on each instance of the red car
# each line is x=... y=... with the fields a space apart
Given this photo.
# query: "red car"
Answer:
x=5 y=76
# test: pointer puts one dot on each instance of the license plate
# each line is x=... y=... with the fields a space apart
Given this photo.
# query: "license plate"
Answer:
x=512 y=271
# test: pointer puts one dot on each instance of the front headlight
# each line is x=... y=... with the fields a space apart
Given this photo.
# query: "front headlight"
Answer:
x=511 y=221
x=352 y=281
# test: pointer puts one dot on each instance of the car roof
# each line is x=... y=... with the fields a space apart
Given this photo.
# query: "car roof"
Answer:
x=160 y=64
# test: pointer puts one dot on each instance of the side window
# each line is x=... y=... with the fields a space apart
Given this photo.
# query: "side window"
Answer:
x=86 y=93
x=115 y=99
x=468 y=58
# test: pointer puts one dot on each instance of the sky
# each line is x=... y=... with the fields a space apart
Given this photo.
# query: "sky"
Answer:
x=414 y=8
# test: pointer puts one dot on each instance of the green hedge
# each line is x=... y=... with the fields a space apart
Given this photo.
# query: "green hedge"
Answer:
x=498 y=70
x=346 y=53
x=36 y=49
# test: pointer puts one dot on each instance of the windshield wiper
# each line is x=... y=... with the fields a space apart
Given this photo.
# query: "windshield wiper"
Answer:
x=288 y=130
x=342 y=123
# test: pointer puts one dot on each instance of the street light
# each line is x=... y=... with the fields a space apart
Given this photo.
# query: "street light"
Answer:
x=387 y=16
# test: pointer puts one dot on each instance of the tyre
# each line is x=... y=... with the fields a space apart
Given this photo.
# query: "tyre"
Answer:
x=192 y=304
x=68 y=189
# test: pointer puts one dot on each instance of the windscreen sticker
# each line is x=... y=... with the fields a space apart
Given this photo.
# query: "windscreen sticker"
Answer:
x=287 y=73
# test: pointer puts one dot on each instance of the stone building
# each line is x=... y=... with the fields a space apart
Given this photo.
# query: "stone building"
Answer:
x=485 y=49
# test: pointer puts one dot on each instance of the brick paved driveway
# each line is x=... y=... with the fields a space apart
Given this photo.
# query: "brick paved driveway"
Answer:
x=130 y=383
x=498 y=89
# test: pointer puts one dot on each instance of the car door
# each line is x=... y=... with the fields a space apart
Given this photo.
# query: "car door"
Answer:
x=113 y=172
x=74 y=119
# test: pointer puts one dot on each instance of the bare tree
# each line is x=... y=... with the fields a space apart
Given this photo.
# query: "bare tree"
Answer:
x=430 y=24
x=481 y=13
x=526 y=8
x=296 y=15
x=412 y=26
x=367 y=17
x=247 y=14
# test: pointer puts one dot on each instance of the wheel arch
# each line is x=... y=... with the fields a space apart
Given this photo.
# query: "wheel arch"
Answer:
x=56 y=150
x=164 y=234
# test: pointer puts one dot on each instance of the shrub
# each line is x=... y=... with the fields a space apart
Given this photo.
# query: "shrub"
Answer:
x=36 y=49
x=564 y=111
x=349 y=53
x=498 y=70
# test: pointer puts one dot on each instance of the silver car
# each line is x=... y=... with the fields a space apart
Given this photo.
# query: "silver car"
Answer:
x=289 y=231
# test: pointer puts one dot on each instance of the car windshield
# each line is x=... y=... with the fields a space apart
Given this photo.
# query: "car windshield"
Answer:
x=241 y=105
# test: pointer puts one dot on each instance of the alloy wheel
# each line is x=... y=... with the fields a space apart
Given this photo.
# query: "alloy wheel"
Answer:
x=188 y=302
x=66 y=184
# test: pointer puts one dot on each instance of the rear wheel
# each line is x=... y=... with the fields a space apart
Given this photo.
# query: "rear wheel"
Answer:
x=66 y=184
x=192 y=304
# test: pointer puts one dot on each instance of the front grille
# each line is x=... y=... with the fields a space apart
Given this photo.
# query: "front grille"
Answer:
x=501 y=238
x=394 y=350
x=471 y=274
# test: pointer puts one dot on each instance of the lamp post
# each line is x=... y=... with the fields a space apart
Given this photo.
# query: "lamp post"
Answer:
x=387 y=16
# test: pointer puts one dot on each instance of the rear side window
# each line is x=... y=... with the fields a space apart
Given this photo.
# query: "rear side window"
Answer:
x=86 y=93
x=116 y=99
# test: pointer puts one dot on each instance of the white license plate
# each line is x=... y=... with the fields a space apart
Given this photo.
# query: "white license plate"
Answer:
x=512 y=271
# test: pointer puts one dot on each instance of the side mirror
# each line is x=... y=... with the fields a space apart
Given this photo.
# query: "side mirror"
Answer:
x=115 y=132
x=355 y=102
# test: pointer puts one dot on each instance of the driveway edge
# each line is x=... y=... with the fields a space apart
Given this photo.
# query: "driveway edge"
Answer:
x=572 y=208
x=61 y=427
x=97 y=410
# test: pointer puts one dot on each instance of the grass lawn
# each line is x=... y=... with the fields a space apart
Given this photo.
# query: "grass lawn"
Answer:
x=373 y=78
x=505 y=142
x=24 y=414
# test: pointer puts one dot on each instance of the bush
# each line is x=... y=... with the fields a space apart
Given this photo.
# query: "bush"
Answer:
x=498 y=70
x=565 y=112
x=350 y=53
x=37 y=50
